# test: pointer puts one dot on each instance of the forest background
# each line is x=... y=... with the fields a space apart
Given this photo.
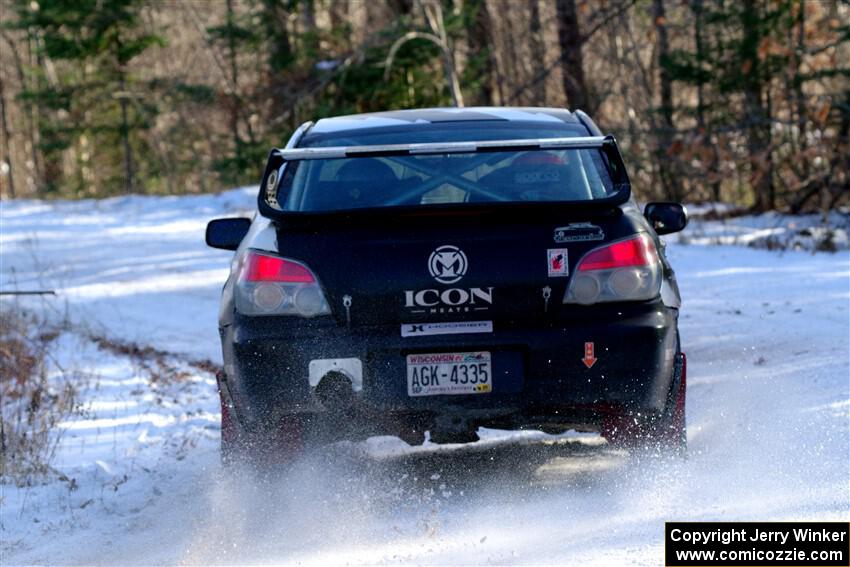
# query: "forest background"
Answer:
x=742 y=101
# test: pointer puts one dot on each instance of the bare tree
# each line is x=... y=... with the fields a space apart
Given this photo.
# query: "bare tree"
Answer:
x=757 y=114
x=480 y=45
x=6 y=166
x=572 y=63
x=434 y=15
x=538 y=51
x=670 y=178
x=703 y=128
x=123 y=100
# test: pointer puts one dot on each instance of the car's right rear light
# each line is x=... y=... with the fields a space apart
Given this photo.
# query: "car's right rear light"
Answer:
x=627 y=270
x=271 y=285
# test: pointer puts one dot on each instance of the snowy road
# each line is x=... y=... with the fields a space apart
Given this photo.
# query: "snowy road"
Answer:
x=768 y=421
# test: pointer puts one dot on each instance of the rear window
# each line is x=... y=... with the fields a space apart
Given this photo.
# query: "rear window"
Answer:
x=374 y=182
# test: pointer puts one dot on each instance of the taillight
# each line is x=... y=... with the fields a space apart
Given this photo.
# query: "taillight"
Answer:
x=627 y=270
x=263 y=268
x=271 y=285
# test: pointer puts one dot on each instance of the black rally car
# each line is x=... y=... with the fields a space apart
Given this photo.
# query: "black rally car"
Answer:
x=444 y=269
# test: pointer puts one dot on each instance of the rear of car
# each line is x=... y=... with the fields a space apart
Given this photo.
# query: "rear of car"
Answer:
x=445 y=270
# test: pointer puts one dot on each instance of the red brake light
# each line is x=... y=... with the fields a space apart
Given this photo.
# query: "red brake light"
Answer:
x=637 y=251
x=262 y=268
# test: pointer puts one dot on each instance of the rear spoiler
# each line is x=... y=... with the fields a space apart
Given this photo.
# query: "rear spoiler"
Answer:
x=439 y=148
x=269 y=206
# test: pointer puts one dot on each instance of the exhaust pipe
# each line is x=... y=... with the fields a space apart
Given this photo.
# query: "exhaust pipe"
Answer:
x=335 y=391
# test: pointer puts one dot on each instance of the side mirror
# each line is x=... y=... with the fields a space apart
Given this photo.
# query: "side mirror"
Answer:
x=666 y=218
x=227 y=233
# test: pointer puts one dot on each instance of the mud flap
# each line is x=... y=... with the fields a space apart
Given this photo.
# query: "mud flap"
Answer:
x=665 y=432
x=229 y=433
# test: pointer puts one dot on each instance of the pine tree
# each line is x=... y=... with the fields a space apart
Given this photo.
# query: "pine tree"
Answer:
x=90 y=97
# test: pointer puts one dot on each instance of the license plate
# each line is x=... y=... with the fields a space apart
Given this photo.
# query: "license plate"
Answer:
x=449 y=373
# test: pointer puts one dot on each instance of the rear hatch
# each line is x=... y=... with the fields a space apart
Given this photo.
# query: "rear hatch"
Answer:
x=449 y=268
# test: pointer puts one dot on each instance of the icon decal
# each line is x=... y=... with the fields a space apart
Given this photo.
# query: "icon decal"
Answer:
x=447 y=264
x=271 y=189
x=451 y=300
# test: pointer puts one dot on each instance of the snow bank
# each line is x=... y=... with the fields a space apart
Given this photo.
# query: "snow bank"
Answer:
x=135 y=268
x=722 y=223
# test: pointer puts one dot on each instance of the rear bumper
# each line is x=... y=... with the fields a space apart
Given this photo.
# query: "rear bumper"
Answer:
x=540 y=376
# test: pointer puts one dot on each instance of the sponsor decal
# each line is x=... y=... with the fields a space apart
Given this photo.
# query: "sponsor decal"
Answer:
x=537 y=177
x=578 y=232
x=448 y=328
x=589 y=355
x=447 y=264
x=557 y=262
x=452 y=300
x=271 y=189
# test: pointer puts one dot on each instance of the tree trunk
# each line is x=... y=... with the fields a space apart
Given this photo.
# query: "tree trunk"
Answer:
x=512 y=62
x=799 y=98
x=538 y=53
x=42 y=168
x=572 y=64
x=310 y=39
x=703 y=127
x=757 y=116
x=480 y=48
x=434 y=15
x=401 y=7
x=280 y=56
x=234 y=85
x=460 y=43
x=6 y=136
x=125 y=136
x=667 y=163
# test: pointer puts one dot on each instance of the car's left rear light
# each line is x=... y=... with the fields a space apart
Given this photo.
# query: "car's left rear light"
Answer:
x=271 y=285
x=627 y=270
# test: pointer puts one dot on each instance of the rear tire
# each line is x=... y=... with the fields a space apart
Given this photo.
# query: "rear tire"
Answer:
x=229 y=434
x=676 y=434
x=669 y=432
x=229 y=437
x=665 y=433
x=275 y=444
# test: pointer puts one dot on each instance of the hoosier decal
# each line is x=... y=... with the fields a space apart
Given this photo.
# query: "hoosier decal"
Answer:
x=448 y=328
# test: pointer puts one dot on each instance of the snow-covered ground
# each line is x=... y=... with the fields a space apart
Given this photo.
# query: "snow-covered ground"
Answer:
x=766 y=334
x=717 y=223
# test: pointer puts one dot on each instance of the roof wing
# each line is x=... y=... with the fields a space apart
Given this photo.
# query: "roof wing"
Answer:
x=440 y=148
x=278 y=157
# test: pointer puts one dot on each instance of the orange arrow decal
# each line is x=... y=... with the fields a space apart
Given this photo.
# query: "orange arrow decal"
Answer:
x=589 y=357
